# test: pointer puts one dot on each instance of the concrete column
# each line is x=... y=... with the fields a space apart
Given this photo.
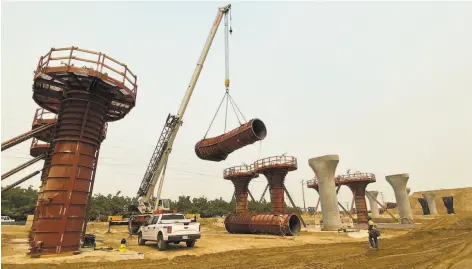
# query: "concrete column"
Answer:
x=324 y=168
x=398 y=183
x=374 y=207
x=429 y=197
x=408 y=190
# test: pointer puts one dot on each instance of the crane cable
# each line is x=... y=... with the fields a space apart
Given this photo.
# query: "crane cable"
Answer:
x=229 y=100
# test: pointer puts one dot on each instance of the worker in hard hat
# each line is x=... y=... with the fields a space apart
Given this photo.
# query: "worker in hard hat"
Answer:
x=373 y=233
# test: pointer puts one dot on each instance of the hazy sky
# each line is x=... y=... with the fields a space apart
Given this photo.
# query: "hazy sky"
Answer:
x=386 y=86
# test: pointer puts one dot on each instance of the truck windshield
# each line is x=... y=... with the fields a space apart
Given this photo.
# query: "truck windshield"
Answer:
x=172 y=217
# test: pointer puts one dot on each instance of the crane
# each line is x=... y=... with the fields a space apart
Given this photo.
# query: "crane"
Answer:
x=158 y=163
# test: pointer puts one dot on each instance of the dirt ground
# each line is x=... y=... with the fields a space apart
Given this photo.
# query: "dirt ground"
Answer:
x=445 y=242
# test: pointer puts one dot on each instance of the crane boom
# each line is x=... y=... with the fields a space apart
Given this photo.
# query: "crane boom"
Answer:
x=164 y=146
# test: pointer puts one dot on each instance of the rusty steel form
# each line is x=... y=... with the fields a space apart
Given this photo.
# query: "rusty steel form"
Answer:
x=78 y=88
x=275 y=169
x=218 y=148
x=263 y=223
x=358 y=182
x=240 y=176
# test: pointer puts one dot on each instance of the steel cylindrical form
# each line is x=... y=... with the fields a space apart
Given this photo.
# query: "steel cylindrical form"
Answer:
x=358 y=190
x=218 y=148
x=374 y=208
x=325 y=168
x=275 y=169
x=64 y=197
x=241 y=192
x=430 y=199
x=398 y=183
x=263 y=223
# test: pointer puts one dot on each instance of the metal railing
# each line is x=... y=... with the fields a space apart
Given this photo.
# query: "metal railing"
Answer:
x=43 y=114
x=101 y=64
x=236 y=170
x=276 y=161
x=358 y=176
x=36 y=143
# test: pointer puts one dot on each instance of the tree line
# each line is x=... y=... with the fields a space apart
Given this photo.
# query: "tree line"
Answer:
x=18 y=203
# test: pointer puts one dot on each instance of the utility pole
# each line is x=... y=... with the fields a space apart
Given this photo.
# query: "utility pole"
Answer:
x=303 y=193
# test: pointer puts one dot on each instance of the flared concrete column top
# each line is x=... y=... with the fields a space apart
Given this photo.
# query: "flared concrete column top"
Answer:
x=324 y=164
x=398 y=180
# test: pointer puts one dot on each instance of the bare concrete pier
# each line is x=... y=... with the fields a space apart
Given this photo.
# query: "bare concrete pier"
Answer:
x=398 y=183
x=374 y=208
x=324 y=168
x=429 y=197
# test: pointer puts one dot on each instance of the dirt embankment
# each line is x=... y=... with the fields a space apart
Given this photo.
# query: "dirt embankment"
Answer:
x=444 y=243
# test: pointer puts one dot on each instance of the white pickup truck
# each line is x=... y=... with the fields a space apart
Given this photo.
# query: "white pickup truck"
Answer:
x=169 y=228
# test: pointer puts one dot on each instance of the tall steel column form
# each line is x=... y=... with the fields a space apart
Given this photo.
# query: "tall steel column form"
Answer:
x=374 y=208
x=85 y=92
x=275 y=169
x=398 y=183
x=430 y=199
x=325 y=168
x=358 y=182
x=240 y=176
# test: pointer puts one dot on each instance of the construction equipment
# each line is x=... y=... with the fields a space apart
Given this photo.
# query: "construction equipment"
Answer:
x=158 y=163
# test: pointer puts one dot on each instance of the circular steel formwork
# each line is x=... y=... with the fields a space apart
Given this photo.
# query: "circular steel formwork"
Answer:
x=263 y=223
x=240 y=176
x=358 y=182
x=85 y=99
x=275 y=169
x=72 y=68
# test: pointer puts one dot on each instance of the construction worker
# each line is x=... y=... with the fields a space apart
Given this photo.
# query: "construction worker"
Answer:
x=123 y=245
x=373 y=233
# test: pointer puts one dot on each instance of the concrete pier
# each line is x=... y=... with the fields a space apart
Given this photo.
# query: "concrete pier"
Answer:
x=324 y=168
x=374 y=207
x=429 y=197
x=398 y=183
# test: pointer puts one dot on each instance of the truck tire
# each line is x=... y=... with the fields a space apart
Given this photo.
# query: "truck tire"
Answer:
x=161 y=244
x=190 y=244
x=141 y=241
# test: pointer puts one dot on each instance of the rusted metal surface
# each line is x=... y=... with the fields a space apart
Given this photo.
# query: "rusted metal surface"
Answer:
x=275 y=169
x=64 y=197
x=84 y=99
x=218 y=148
x=73 y=68
x=358 y=182
x=240 y=176
x=22 y=166
x=263 y=223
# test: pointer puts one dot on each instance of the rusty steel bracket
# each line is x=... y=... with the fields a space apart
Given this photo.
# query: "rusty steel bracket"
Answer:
x=250 y=194
x=263 y=194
